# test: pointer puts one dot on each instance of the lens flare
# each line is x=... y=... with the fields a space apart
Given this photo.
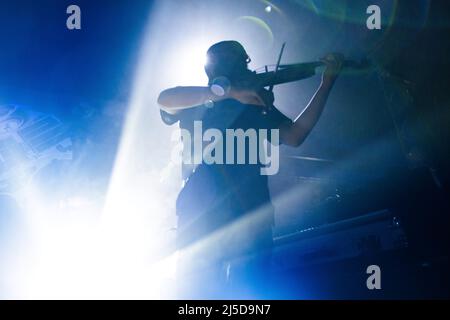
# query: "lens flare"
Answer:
x=258 y=27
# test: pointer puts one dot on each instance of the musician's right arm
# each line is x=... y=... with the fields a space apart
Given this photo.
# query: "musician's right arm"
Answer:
x=178 y=98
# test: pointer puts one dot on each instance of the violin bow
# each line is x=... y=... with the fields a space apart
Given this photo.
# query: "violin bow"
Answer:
x=278 y=62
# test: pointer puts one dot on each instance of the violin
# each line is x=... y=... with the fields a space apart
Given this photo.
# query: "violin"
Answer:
x=291 y=72
x=285 y=73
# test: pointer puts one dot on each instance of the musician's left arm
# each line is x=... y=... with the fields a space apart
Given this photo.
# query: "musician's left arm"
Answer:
x=294 y=133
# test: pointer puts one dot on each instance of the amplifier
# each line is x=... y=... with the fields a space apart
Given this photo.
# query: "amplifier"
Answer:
x=365 y=235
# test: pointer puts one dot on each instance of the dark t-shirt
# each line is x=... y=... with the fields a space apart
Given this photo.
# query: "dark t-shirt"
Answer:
x=233 y=189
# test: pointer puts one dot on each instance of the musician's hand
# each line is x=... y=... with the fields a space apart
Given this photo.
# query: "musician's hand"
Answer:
x=246 y=96
x=267 y=96
x=334 y=63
